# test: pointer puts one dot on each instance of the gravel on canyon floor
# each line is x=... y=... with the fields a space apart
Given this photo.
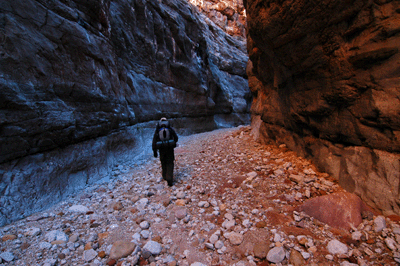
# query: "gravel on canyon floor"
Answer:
x=233 y=203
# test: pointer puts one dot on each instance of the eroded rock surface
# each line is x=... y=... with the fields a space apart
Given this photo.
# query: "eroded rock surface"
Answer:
x=325 y=77
x=80 y=79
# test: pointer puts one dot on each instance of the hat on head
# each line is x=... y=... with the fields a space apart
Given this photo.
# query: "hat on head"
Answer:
x=164 y=122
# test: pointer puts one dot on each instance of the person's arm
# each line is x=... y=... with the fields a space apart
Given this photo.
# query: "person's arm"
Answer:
x=174 y=135
x=154 y=142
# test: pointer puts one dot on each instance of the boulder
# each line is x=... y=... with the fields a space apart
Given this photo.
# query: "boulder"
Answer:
x=121 y=249
x=340 y=210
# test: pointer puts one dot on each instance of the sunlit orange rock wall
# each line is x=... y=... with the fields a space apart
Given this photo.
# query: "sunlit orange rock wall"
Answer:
x=326 y=80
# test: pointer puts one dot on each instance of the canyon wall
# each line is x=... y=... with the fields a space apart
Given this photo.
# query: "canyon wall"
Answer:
x=325 y=76
x=81 y=79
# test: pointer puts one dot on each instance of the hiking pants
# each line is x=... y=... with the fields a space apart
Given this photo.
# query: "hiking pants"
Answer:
x=167 y=163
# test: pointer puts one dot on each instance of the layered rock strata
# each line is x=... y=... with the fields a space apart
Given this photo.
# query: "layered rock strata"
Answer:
x=79 y=80
x=325 y=76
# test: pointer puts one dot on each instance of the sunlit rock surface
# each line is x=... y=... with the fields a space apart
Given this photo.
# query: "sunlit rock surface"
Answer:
x=326 y=80
x=80 y=81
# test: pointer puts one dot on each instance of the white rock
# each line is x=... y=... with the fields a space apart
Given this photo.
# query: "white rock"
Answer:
x=337 y=247
x=277 y=238
x=144 y=225
x=329 y=257
x=228 y=224
x=276 y=254
x=213 y=238
x=380 y=224
x=153 y=247
x=390 y=243
x=235 y=238
x=251 y=175
x=7 y=256
x=78 y=208
x=219 y=244
x=44 y=245
x=56 y=235
x=33 y=231
x=145 y=234
x=50 y=262
x=136 y=238
x=229 y=216
x=346 y=263
x=209 y=246
x=305 y=255
x=198 y=264
x=356 y=235
x=89 y=255
x=246 y=223
x=203 y=204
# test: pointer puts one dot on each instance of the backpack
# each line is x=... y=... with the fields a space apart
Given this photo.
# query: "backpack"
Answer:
x=166 y=140
x=164 y=134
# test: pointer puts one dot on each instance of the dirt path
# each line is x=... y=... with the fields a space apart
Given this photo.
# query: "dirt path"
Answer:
x=232 y=203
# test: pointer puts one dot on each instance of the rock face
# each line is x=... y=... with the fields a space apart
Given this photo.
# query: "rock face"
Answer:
x=325 y=77
x=79 y=80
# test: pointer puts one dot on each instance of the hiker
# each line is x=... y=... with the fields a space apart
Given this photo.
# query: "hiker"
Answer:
x=165 y=140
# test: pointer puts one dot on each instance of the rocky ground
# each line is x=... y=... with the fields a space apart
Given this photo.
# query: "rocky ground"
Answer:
x=233 y=203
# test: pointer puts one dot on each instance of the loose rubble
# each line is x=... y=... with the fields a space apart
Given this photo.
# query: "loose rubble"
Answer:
x=234 y=202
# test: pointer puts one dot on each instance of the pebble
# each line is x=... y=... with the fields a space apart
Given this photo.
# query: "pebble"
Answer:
x=276 y=255
x=89 y=255
x=380 y=224
x=144 y=225
x=78 y=208
x=154 y=247
x=235 y=238
x=337 y=247
x=7 y=256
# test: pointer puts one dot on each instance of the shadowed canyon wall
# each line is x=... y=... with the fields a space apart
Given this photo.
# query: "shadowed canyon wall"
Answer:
x=81 y=79
x=325 y=76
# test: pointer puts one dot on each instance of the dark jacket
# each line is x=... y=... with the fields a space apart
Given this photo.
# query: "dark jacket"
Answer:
x=156 y=137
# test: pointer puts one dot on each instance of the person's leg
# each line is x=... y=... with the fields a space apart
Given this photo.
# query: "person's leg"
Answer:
x=163 y=160
x=170 y=173
x=170 y=167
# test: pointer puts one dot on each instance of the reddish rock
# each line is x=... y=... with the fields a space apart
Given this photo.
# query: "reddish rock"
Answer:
x=337 y=210
x=325 y=79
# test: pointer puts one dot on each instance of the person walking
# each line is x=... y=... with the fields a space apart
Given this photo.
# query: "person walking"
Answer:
x=165 y=140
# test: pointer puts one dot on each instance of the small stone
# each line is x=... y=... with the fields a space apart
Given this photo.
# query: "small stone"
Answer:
x=180 y=202
x=214 y=238
x=7 y=256
x=89 y=255
x=329 y=257
x=78 y=208
x=252 y=175
x=145 y=234
x=154 y=247
x=144 y=225
x=229 y=216
x=209 y=246
x=198 y=264
x=305 y=255
x=118 y=206
x=181 y=195
x=203 y=204
x=228 y=224
x=276 y=255
x=180 y=213
x=222 y=207
x=380 y=224
x=235 y=238
x=261 y=224
x=56 y=235
x=390 y=243
x=102 y=254
x=111 y=262
x=33 y=231
x=219 y=244
x=121 y=249
x=44 y=245
x=73 y=238
x=296 y=259
x=356 y=235
x=337 y=247
x=8 y=237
